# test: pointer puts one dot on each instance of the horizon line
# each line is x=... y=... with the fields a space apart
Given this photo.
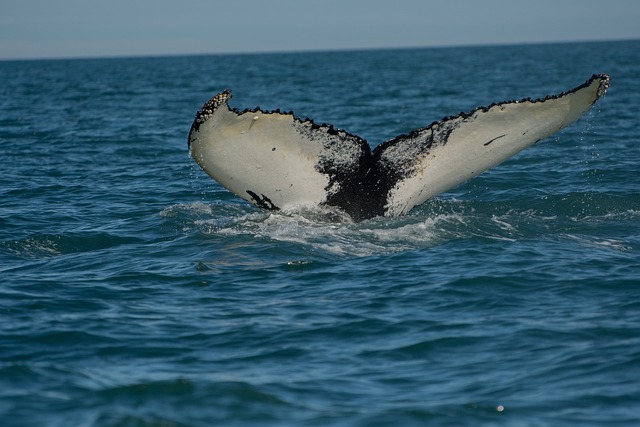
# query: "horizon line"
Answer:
x=312 y=50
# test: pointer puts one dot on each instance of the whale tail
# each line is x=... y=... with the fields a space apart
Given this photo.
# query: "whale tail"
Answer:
x=276 y=160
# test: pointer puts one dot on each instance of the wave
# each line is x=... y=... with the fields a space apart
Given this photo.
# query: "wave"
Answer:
x=45 y=245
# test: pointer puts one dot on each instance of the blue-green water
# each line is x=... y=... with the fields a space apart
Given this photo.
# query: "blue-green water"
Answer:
x=135 y=291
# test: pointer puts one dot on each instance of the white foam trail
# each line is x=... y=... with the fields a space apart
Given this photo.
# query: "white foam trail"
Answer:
x=318 y=232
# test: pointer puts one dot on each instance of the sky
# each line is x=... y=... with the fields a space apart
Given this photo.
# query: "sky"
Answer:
x=92 y=28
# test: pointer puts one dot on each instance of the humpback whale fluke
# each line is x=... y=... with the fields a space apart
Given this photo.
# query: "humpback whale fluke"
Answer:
x=276 y=160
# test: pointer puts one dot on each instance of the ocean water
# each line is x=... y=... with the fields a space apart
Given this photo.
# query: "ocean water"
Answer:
x=136 y=291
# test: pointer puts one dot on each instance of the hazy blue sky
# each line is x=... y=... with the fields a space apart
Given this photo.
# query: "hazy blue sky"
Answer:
x=62 y=28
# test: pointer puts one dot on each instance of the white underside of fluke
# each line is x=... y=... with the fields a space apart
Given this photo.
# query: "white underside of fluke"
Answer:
x=482 y=141
x=263 y=154
x=278 y=161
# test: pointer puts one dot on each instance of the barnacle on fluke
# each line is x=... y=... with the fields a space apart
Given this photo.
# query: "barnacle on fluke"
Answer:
x=278 y=161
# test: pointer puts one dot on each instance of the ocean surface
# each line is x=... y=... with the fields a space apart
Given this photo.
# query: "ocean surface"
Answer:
x=136 y=291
